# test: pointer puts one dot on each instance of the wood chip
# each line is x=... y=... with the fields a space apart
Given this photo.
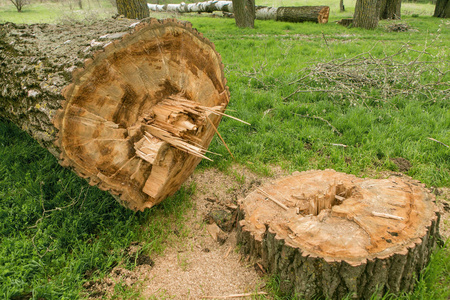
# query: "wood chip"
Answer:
x=228 y=252
x=216 y=233
x=273 y=199
x=387 y=216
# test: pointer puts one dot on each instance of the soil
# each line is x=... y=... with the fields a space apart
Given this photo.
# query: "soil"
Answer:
x=194 y=265
x=402 y=164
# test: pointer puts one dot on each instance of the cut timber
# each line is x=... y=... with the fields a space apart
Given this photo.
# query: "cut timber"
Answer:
x=317 y=14
x=340 y=234
x=132 y=110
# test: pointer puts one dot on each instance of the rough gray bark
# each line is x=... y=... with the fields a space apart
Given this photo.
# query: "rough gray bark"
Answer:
x=341 y=6
x=111 y=104
x=343 y=248
x=442 y=9
x=133 y=9
x=366 y=14
x=244 y=13
x=390 y=9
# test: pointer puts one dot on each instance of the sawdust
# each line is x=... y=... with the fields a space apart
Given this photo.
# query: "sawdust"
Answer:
x=197 y=266
x=194 y=265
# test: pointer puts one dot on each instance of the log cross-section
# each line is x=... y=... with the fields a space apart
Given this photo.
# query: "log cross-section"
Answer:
x=332 y=234
x=135 y=118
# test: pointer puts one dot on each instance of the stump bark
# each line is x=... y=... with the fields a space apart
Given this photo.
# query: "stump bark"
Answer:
x=329 y=234
x=131 y=108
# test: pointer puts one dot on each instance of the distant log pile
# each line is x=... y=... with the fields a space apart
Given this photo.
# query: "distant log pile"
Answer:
x=317 y=14
x=131 y=108
x=333 y=234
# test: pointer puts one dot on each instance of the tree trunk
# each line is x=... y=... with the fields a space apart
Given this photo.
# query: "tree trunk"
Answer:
x=330 y=234
x=390 y=9
x=366 y=14
x=244 y=13
x=133 y=9
x=341 y=6
x=132 y=108
x=317 y=14
x=442 y=9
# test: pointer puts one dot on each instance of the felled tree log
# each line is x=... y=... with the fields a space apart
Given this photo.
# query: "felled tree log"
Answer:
x=330 y=234
x=130 y=108
x=317 y=14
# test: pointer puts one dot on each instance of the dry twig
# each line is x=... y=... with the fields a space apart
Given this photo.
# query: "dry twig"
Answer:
x=321 y=119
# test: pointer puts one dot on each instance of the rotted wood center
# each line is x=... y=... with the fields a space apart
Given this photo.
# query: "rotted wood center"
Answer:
x=332 y=222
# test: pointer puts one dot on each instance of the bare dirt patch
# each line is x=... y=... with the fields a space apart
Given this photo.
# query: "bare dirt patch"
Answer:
x=197 y=266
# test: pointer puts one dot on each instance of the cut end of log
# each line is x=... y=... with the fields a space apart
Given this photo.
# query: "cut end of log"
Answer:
x=135 y=118
x=324 y=13
x=329 y=218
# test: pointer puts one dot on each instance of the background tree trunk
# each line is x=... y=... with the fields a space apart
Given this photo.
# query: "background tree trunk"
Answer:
x=133 y=9
x=244 y=13
x=366 y=14
x=341 y=6
x=390 y=9
x=442 y=9
x=328 y=234
x=130 y=109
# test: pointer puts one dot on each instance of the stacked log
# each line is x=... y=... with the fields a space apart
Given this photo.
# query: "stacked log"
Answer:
x=317 y=14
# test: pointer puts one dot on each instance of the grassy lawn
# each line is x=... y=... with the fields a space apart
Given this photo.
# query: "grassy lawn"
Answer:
x=55 y=229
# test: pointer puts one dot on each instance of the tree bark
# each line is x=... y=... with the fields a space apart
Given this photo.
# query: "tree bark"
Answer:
x=330 y=234
x=366 y=14
x=341 y=6
x=317 y=14
x=442 y=9
x=133 y=9
x=390 y=9
x=244 y=13
x=132 y=109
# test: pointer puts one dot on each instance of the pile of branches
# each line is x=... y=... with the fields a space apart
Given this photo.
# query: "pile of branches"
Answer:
x=366 y=78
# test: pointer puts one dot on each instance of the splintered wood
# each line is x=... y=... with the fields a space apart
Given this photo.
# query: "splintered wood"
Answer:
x=318 y=227
x=140 y=115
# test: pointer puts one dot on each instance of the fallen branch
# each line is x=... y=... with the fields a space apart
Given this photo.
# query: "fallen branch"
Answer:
x=235 y=295
x=321 y=119
x=434 y=140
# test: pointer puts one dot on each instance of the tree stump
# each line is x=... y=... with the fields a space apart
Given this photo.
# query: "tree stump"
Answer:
x=329 y=234
x=132 y=110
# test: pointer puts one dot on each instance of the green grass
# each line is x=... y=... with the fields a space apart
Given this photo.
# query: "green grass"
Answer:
x=46 y=251
x=54 y=227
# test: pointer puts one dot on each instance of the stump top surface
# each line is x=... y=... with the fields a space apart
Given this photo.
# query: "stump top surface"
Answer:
x=339 y=216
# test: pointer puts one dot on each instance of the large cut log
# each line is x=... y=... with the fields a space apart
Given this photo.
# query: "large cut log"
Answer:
x=317 y=14
x=130 y=108
x=330 y=234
